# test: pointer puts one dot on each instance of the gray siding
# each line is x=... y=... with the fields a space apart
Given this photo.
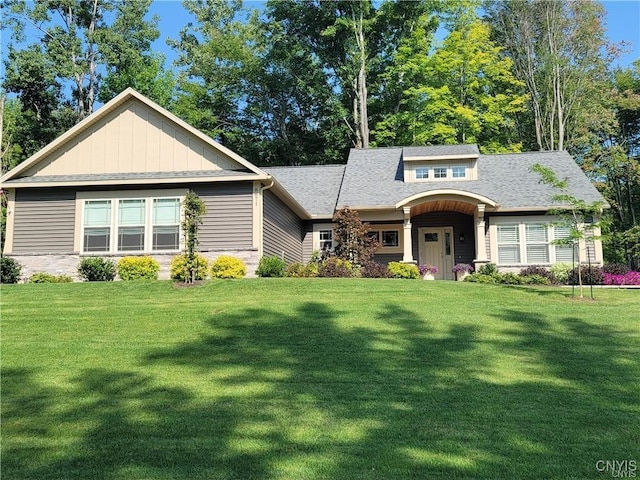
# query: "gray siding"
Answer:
x=282 y=230
x=387 y=257
x=461 y=223
x=228 y=223
x=44 y=221
x=307 y=241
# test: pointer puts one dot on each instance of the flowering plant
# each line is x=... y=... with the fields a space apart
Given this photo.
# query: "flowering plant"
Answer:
x=462 y=267
x=629 y=278
x=424 y=269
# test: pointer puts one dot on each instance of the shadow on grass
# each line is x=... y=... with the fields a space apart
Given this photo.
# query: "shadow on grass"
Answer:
x=308 y=395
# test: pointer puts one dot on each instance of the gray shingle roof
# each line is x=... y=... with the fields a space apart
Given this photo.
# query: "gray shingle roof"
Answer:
x=441 y=150
x=315 y=187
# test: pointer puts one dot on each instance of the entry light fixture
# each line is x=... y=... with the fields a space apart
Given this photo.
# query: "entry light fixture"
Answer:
x=461 y=237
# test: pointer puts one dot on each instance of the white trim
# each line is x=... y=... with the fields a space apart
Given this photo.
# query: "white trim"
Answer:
x=386 y=227
x=10 y=219
x=457 y=195
x=317 y=227
x=465 y=156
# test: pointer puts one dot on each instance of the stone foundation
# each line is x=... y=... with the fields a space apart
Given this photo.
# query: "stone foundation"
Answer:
x=67 y=264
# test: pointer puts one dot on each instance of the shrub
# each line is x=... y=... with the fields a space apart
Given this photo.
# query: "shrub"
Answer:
x=180 y=268
x=97 y=269
x=482 y=278
x=629 y=278
x=615 y=268
x=373 y=269
x=509 y=278
x=536 y=280
x=537 y=271
x=9 y=270
x=403 y=270
x=226 y=266
x=271 y=267
x=138 y=268
x=43 y=277
x=591 y=275
x=560 y=272
x=488 y=269
x=336 y=267
x=297 y=269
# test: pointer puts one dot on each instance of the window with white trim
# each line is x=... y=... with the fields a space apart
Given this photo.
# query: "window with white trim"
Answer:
x=508 y=243
x=564 y=252
x=131 y=224
x=326 y=240
x=422 y=173
x=459 y=172
x=440 y=172
x=537 y=243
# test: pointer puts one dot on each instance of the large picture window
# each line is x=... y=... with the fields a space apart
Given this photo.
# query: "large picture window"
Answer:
x=130 y=224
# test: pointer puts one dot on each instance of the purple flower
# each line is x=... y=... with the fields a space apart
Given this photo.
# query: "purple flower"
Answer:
x=424 y=269
x=462 y=267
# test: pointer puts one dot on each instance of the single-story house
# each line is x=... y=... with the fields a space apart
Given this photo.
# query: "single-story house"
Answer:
x=112 y=186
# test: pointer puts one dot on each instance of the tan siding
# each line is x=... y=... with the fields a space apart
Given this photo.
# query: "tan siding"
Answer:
x=44 y=221
x=133 y=138
x=307 y=242
x=228 y=222
x=282 y=230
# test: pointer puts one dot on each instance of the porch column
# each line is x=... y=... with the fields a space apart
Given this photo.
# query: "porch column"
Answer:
x=481 y=243
x=407 y=243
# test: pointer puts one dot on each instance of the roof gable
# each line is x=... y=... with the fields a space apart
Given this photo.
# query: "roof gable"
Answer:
x=131 y=134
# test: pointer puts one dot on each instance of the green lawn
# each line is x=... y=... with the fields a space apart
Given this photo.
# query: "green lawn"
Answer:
x=317 y=378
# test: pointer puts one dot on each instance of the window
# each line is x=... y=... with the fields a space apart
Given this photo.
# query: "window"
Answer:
x=440 y=172
x=564 y=252
x=537 y=243
x=508 y=244
x=130 y=224
x=390 y=238
x=422 y=173
x=166 y=224
x=459 y=172
x=326 y=240
x=97 y=225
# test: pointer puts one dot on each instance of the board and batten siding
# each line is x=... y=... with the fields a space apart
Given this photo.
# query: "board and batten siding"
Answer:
x=228 y=223
x=283 y=230
x=461 y=223
x=44 y=221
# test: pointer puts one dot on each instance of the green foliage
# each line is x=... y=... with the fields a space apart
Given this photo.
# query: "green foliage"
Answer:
x=97 y=269
x=194 y=209
x=538 y=271
x=350 y=237
x=403 y=270
x=535 y=280
x=43 y=277
x=488 y=269
x=483 y=278
x=138 y=268
x=9 y=270
x=560 y=272
x=337 y=267
x=300 y=270
x=373 y=269
x=588 y=275
x=183 y=270
x=228 y=267
x=271 y=267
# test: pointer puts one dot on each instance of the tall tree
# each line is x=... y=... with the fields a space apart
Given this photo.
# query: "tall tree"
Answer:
x=557 y=50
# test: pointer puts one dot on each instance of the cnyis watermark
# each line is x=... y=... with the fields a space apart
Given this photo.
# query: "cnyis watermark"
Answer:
x=618 y=468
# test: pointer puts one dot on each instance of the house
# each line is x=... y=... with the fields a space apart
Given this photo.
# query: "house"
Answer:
x=112 y=186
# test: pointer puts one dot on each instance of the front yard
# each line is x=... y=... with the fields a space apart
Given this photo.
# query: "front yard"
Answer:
x=316 y=378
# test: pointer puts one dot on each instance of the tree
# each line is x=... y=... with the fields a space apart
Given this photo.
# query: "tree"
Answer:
x=573 y=214
x=352 y=242
x=194 y=210
x=557 y=50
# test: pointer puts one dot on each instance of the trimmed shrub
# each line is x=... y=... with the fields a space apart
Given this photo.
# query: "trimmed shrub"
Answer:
x=10 y=270
x=226 y=266
x=615 y=268
x=536 y=280
x=403 y=270
x=180 y=268
x=97 y=269
x=300 y=270
x=43 y=277
x=488 y=269
x=373 y=269
x=591 y=275
x=482 y=278
x=335 y=267
x=138 y=268
x=271 y=267
x=560 y=272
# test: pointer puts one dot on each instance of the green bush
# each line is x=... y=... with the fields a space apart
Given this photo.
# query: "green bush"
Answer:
x=226 y=266
x=138 y=268
x=271 y=267
x=403 y=270
x=560 y=272
x=482 y=278
x=97 y=269
x=299 y=270
x=488 y=269
x=536 y=280
x=591 y=275
x=335 y=267
x=180 y=268
x=9 y=270
x=43 y=277
x=371 y=269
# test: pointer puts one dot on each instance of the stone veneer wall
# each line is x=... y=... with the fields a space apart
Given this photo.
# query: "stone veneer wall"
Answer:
x=67 y=264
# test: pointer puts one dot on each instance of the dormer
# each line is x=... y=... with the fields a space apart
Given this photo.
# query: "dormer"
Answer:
x=440 y=163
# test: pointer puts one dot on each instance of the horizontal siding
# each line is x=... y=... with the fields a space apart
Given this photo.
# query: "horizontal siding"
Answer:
x=461 y=223
x=387 y=257
x=282 y=230
x=228 y=223
x=307 y=242
x=44 y=221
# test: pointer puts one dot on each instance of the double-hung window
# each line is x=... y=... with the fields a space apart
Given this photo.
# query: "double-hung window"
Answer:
x=326 y=240
x=166 y=224
x=97 y=225
x=508 y=243
x=131 y=225
x=537 y=241
x=565 y=252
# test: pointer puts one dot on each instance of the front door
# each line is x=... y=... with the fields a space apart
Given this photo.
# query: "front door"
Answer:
x=436 y=248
